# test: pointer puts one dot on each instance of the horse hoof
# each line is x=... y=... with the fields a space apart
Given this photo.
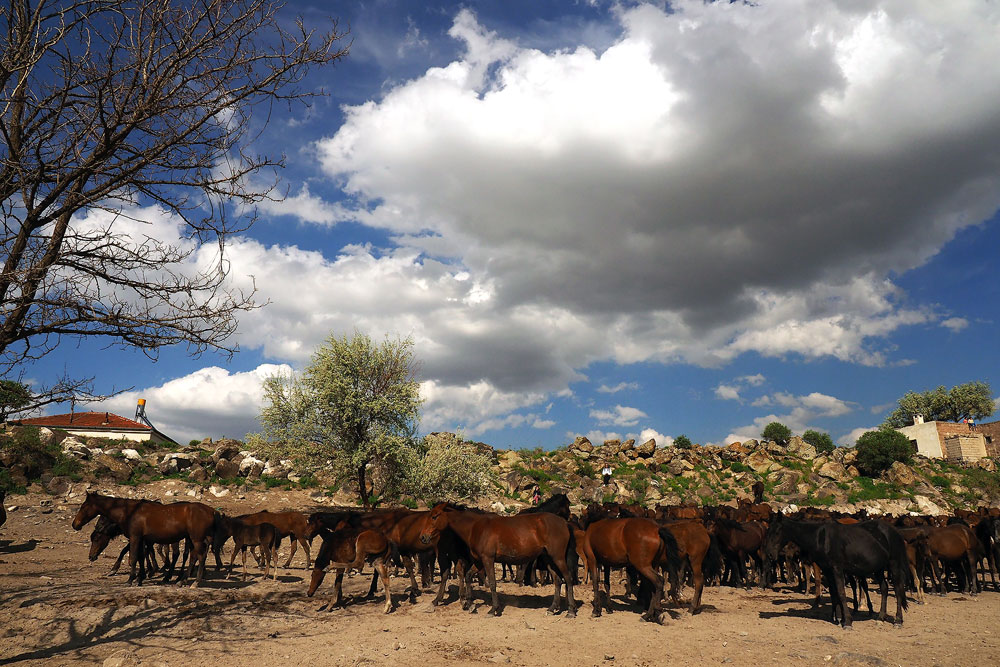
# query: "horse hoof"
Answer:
x=847 y=627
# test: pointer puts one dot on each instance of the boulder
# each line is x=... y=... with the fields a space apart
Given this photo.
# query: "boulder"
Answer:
x=46 y=435
x=218 y=492
x=850 y=455
x=774 y=448
x=750 y=445
x=132 y=455
x=226 y=449
x=611 y=447
x=121 y=471
x=199 y=474
x=990 y=465
x=761 y=463
x=73 y=447
x=276 y=470
x=929 y=507
x=58 y=485
x=787 y=483
x=168 y=466
x=901 y=474
x=679 y=466
x=582 y=444
x=226 y=469
x=800 y=448
x=647 y=448
x=251 y=467
x=835 y=471
x=627 y=446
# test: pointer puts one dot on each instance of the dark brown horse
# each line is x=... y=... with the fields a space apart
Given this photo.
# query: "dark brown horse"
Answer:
x=351 y=547
x=638 y=543
x=164 y=524
x=244 y=534
x=289 y=524
x=106 y=530
x=693 y=541
x=515 y=540
x=955 y=545
x=739 y=541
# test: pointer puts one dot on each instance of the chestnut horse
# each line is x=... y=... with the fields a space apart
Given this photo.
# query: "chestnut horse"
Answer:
x=164 y=524
x=693 y=542
x=353 y=546
x=516 y=540
x=289 y=524
x=638 y=543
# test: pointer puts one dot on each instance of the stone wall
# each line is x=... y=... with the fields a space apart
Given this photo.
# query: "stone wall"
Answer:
x=967 y=447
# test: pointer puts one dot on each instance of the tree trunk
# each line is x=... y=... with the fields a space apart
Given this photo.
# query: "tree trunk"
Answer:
x=363 y=488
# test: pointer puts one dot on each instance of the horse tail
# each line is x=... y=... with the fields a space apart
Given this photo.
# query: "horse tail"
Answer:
x=712 y=565
x=572 y=557
x=671 y=553
x=900 y=564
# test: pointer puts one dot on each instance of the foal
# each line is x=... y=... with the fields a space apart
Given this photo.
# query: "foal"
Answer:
x=263 y=535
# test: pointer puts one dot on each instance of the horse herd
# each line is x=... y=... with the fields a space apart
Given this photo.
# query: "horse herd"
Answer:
x=676 y=545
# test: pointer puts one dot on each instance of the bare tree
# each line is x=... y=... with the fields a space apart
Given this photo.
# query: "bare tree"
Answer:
x=117 y=114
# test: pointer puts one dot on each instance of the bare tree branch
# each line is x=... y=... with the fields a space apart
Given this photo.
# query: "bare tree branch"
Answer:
x=114 y=112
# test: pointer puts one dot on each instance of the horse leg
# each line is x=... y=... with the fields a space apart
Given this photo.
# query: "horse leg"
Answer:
x=445 y=568
x=817 y=576
x=556 y=595
x=236 y=547
x=133 y=554
x=838 y=584
x=654 y=577
x=491 y=580
x=243 y=554
x=291 y=552
x=337 y=599
x=114 y=570
x=383 y=569
x=937 y=581
x=408 y=564
x=305 y=547
x=698 y=582
x=883 y=587
x=970 y=564
x=607 y=588
x=374 y=585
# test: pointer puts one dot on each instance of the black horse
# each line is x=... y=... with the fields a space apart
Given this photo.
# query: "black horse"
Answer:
x=869 y=548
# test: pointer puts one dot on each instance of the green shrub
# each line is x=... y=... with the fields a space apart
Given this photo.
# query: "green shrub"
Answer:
x=878 y=450
x=408 y=502
x=821 y=441
x=586 y=469
x=940 y=481
x=737 y=466
x=778 y=432
x=682 y=442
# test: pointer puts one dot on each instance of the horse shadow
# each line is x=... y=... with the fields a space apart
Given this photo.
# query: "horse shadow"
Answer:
x=8 y=546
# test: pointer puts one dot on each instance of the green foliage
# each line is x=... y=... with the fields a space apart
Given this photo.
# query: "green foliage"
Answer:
x=67 y=467
x=821 y=441
x=356 y=405
x=940 y=481
x=737 y=466
x=193 y=443
x=14 y=397
x=682 y=442
x=449 y=469
x=7 y=483
x=24 y=446
x=869 y=489
x=586 y=469
x=532 y=454
x=777 y=432
x=408 y=503
x=972 y=399
x=877 y=450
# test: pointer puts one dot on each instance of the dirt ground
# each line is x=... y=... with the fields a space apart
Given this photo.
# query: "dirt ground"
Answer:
x=57 y=608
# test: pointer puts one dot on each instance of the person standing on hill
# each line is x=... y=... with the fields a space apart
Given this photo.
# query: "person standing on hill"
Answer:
x=606 y=473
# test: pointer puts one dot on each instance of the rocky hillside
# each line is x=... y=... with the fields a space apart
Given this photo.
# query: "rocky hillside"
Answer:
x=794 y=474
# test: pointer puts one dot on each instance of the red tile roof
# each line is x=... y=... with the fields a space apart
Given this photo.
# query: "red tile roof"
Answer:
x=98 y=420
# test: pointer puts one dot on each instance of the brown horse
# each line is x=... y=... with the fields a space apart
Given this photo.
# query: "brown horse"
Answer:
x=263 y=535
x=352 y=546
x=163 y=524
x=515 y=540
x=957 y=545
x=738 y=541
x=289 y=524
x=106 y=530
x=638 y=543
x=693 y=541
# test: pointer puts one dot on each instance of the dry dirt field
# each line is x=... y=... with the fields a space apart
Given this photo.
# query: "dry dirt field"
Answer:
x=57 y=608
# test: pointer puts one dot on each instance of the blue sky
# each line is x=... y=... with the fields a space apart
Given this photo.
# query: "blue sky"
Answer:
x=622 y=219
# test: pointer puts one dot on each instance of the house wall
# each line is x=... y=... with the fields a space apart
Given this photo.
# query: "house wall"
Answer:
x=927 y=438
x=967 y=447
x=991 y=433
x=134 y=436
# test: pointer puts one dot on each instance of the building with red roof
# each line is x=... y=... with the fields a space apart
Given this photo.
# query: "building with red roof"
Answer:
x=99 y=425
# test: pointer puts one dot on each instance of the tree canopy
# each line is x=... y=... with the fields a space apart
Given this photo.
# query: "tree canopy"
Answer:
x=125 y=139
x=821 y=441
x=357 y=405
x=682 y=442
x=878 y=450
x=970 y=400
x=778 y=432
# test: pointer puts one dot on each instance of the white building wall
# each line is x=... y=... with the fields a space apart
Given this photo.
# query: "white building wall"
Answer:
x=928 y=440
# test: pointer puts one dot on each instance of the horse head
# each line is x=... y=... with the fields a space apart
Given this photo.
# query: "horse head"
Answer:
x=88 y=510
x=435 y=521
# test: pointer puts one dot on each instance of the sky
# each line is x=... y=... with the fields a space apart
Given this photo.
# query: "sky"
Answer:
x=619 y=219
